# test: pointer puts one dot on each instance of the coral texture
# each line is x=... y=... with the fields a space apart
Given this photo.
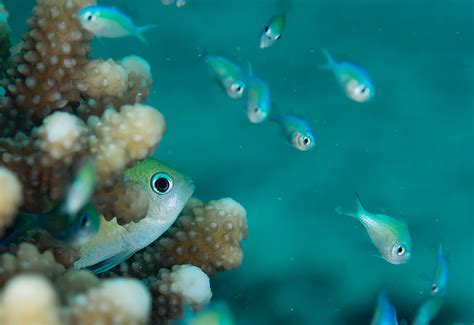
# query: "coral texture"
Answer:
x=10 y=196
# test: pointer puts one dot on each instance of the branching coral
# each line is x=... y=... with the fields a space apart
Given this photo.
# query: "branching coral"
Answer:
x=59 y=108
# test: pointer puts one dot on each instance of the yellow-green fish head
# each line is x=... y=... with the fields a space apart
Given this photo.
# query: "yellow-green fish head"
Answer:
x=83 y=226
x=168 y=188
x=273 y=31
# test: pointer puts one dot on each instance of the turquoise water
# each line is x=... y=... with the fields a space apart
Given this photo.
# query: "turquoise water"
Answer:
x=408 y=152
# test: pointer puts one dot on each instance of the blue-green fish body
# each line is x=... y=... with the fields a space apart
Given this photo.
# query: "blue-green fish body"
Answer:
x=258 y=99
x=217 y=313
x=438 y=287
x=109 y=22
x=70 y=229
x=353 y=79
x=296 y=130
x=168 y=191
x=228 y=74
x=385 y=313
x=428 y=310
x=181 y=3
x=273 y=30
x=390 y=235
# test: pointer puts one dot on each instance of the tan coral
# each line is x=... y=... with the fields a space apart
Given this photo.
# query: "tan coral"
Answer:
x=5 y=43
x=183 y=285
x=126 y=201
x=139 y=79
x=54 y=50
x=61 y=136
x=10 y=196
x=124 y=137
x=103 y=79
x=114 y=301
x=29 y=299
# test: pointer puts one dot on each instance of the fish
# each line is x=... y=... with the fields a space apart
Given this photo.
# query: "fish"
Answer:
x=217 y=313
x=385 y=313
x=390 y=235
x=228 y=74
x=428 y=310
x=353 y=79
x=181 y=3
x=273 y=30
x=438 y=287
x=296 y=130
x=168 y=191
x=104 y=21
x=72 y=222
x=258 y=99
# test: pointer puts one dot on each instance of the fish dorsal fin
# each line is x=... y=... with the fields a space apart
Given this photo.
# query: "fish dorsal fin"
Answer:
x=360 y=207
x=109 y=263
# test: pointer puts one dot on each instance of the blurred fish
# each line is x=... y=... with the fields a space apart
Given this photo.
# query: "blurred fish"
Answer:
x=258 y=99
x=217 y=313
x=228 y=74
x=73 y=221
x=109 y=22
x=353 y=79
x=438 y=288
x=385 y=313
x=181 y=3
x=389 y=235
x=428 y=310
x=273 y=30
x=296 y=130
x=168 y=192
x=81 y=189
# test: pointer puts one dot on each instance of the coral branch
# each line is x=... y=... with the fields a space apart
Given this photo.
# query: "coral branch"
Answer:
x=10 y=197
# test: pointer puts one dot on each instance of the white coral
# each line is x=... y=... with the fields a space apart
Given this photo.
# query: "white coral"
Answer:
x=10 y=196
x=192 y=284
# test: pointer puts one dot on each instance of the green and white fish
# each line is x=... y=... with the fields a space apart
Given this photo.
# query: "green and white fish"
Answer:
x=389 y=235
x=438 y=287
x=273 y=30
x=258 y=99
x=168 y=191
x=353 y=79
x=385 y=313
x=296 y=130
x=228 y=74
x=109 y=22
x=428 y=310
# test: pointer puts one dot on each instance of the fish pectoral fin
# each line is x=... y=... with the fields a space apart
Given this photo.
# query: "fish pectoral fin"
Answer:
x=109 y=263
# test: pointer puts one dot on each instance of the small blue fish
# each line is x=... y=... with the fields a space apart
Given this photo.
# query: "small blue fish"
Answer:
x=228 y=74
x=296 y=130
x=385 y=313
x=109 y=22
x=258 y=99
x=217 y=313
x=273 y=30
x=438 y=287
x=353 y=79
x=73 y=221
x=428 y=310
x=181 y=3
x=389 y=235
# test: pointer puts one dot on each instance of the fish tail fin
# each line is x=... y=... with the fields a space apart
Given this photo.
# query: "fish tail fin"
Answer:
x=355 y=214
x=330 y=61
x=142 y=30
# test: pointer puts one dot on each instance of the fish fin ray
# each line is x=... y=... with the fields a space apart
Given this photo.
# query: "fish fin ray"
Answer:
x=330 y=61
x=109 y=263
x=346 y=212
x=360 y=207
x=142 y=30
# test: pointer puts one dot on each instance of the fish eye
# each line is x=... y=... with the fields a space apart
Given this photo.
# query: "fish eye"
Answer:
x=434 y=288
x=85 y=220
x=278 y=37
x=237 y=88
x=161 y=183
x=306 y=141
x=401 y=250
x=267 y=28
x=256 y=109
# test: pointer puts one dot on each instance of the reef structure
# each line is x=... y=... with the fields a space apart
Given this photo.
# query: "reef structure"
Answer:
x=59 y=108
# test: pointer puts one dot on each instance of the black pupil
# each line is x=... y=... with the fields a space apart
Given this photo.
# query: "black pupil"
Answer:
x=89 y=17
x=434 y=287
x=363 y=90
x=84 y=220
x=162 y=184
x=238 y=88
x=400 y=250
x=255 y=109
x=267 y=28
x=306 y=140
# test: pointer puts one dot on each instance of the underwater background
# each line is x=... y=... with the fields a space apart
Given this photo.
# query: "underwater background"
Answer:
x=407 y=152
